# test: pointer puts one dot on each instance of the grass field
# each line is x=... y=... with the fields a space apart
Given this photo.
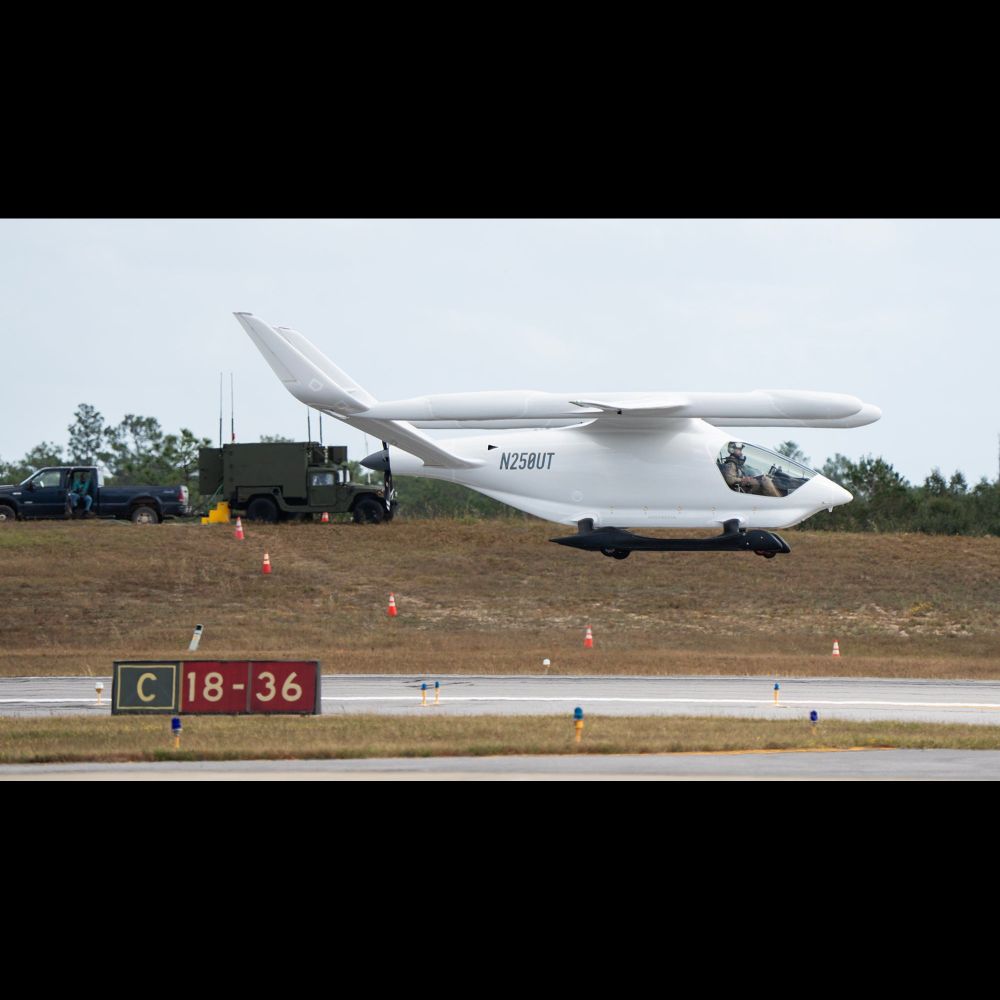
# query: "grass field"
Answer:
x=494 y=597
x=119 y=739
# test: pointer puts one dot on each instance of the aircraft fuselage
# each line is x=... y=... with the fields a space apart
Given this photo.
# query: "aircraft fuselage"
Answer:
x=619 y=476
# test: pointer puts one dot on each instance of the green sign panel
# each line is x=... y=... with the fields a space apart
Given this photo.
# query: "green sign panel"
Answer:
x=149 y=687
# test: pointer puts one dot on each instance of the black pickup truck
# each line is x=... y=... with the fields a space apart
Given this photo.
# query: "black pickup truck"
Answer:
x=47 y=494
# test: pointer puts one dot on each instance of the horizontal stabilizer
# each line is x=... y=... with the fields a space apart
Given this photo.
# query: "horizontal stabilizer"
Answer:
x=405 y=436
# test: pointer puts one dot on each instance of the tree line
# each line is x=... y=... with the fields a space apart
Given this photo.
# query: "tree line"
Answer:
x=884 y=500
x=137 y=450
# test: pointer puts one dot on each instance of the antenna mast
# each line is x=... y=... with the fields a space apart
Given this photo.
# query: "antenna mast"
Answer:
x=220 y=409
x=232 y=410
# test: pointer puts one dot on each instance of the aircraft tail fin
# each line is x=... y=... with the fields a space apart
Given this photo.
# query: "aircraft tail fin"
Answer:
x=307 y=373
x=312 y=378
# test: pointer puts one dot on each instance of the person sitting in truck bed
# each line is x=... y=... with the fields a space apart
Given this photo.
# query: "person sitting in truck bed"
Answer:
x=80 y=491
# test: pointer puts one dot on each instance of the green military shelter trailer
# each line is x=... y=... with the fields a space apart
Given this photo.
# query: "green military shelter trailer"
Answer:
x=287 y=480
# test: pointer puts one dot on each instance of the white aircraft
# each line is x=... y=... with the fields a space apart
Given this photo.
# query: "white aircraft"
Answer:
x=603 y=461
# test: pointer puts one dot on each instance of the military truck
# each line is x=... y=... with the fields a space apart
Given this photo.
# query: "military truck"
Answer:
x=291 y=480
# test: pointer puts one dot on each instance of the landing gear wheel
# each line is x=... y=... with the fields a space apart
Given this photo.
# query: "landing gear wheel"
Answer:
x=766 y=555
x=616 y=553
x=368 y=511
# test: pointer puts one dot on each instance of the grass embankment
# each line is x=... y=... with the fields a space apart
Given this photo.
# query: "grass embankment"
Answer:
x=24 y=741
x=494 y=597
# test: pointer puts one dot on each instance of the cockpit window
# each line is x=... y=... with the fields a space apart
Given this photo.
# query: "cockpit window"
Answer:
x=749 y=469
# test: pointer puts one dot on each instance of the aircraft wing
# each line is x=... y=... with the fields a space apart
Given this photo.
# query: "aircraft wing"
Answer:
x=867 y=414
x=761 y=407
x=316 y=381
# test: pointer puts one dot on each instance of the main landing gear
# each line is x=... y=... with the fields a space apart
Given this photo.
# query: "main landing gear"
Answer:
x=616 y=543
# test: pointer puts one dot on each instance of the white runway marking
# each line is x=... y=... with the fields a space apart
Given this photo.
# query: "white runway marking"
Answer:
x=860 y=699
x=451 y=700
x=51 y=701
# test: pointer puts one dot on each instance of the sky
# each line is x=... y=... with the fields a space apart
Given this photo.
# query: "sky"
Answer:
x=135 y=317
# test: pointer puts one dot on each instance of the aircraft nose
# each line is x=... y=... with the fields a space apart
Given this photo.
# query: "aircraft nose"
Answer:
x=834 y=494
x=377 y=460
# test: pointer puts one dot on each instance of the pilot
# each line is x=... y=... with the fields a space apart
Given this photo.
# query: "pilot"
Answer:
x=732 y=471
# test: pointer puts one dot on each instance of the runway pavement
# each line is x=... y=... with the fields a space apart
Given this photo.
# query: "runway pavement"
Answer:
x=850 y=765
x=859 y=699
x=841 y=698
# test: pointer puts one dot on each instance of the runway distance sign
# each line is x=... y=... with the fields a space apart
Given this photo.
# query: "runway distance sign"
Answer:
x=219 y=687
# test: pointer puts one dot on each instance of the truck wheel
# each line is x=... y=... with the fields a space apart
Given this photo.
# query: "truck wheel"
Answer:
x=145 y=515
x=7 y=515
x=368 y=511
x=262 y=509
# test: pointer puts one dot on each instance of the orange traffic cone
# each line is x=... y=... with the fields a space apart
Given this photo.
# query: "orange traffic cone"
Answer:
x=266 y=568
x=392 y=606
x=836 y=648
x=325 y=519
x=239 y=529
x=588 y=639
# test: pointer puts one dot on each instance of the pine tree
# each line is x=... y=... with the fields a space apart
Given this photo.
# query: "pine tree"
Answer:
x=86 y=435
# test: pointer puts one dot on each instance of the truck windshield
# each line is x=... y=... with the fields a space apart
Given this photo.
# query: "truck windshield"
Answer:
x=748 y=468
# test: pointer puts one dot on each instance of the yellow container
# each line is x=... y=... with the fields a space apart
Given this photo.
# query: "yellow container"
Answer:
x=219 y=514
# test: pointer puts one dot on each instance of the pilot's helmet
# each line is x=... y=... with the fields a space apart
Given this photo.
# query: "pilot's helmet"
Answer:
x=734 y=447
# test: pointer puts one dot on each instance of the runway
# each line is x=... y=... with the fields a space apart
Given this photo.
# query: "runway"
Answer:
x=975 y=702
x=861 y=765
x=858 y=699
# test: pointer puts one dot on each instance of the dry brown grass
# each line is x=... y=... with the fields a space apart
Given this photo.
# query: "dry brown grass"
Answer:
x=118 y=739
x=494 y=597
